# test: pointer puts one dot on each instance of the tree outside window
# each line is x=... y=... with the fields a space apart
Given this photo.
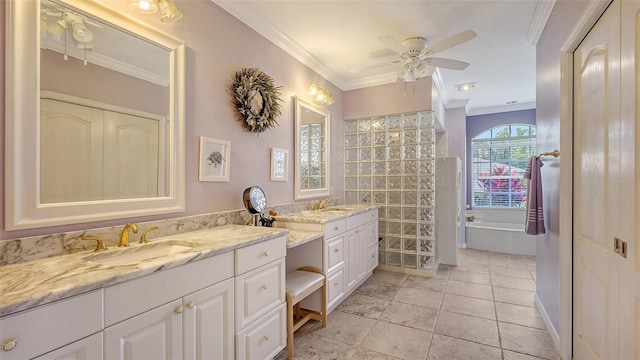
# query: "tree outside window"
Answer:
x=499 y=158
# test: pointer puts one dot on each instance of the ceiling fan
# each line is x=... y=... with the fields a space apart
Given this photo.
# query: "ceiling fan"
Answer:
x=415 y=54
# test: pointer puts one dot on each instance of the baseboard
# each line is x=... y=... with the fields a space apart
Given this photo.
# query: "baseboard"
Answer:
x=547 y=321
x=397 y=269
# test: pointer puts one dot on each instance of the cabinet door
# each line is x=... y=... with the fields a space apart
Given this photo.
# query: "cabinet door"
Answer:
x=89 y=348
x=155 y=334
x=208 y=323
x=351 y=239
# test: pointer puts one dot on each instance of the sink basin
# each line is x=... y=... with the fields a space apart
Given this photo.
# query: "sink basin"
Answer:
x=138 y=253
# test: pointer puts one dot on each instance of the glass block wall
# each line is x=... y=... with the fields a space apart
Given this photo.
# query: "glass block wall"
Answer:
x=390 y=162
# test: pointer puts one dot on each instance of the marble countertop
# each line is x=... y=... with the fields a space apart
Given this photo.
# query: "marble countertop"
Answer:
x=300 y=237
x=325 y=215
x=33 y=283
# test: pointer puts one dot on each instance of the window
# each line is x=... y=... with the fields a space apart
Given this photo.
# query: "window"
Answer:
x=499 y=157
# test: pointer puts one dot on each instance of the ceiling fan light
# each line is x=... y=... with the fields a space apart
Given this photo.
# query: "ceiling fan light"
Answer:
x=169 y=11
x=411 y=76
x=421 y=70
x=80 y=32
x=57 y=29
x=403 y=73
x=145 y=6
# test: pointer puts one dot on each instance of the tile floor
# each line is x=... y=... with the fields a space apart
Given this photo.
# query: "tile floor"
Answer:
x=482 y=309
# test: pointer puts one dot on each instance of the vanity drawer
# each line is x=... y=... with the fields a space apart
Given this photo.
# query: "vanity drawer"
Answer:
x=256 y=255
x=265 y=338
x=51 y=326
x=134 y=297
x=259 y=291
x=361 y=219
x=334 y=249
x=335 y=284
x=334 y=228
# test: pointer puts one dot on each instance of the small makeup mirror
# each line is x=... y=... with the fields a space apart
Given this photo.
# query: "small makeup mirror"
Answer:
x=255 y=201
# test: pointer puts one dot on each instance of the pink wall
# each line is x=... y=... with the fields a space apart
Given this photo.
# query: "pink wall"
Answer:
x=218 y=45
x=388 y=99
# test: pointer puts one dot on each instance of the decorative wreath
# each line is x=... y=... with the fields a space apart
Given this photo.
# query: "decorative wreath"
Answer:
x=256 y=98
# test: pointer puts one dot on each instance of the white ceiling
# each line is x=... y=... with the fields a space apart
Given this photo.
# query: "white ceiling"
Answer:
x=335 y=38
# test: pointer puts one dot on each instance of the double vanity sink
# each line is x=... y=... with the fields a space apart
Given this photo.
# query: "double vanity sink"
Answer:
x=101 y=301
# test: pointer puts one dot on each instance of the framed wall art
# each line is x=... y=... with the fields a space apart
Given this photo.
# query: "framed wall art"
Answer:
x=214 y=159
x=279 y=164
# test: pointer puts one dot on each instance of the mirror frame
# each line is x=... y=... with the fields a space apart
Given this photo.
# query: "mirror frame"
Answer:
x=326 y=191
x=22 y=100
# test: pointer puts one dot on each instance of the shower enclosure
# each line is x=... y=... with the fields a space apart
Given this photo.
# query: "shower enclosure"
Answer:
x=390 y=162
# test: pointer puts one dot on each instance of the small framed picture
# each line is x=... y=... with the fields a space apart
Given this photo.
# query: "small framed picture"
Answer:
x=214 y=159
x=279 y=164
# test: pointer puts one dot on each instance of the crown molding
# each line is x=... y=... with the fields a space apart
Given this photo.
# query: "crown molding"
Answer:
x=502 y=108
x=246 y=14
x=539 y=21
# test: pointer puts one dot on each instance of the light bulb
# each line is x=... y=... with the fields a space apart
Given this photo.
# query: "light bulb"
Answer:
x=313 y=89
x=145 y=6
x=169 y=11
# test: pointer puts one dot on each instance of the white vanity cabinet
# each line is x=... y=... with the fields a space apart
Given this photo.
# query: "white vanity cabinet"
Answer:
x=350 y=251
x=61 y=324
x=184 y=312
x=260 y=300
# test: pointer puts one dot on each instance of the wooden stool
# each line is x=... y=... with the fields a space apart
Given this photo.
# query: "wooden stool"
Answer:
x=300 y=284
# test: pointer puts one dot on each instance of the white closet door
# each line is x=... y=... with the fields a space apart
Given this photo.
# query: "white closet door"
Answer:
x=70 y=152
x=131 y=156
x=630 y=181
x=596 y=311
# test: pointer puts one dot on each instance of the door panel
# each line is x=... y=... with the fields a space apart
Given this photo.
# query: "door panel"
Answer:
x=630 y=180
x=596 y=190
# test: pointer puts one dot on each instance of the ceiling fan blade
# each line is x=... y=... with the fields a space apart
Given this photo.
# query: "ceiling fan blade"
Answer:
x=446 y=63
x=448 y=43
x=392 y=44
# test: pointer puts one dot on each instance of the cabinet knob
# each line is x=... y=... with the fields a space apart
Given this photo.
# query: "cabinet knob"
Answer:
x=266 y=338
x=265 y=254
x=9 y=344
x=190 y=304
x=336 y=284
x=264 y=286
x=179 y=309
x=335 y=228
x=336 y=251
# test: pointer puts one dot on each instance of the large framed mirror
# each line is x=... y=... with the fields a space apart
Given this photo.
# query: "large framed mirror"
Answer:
x=312 y=150
x=94 y=115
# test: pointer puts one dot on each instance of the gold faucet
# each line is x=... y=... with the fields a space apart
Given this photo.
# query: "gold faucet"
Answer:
x=143 y=237
x=322 y=203
x=124 y=235
x=100 y=243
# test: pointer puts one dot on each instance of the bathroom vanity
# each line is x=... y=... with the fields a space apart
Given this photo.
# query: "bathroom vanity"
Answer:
x=213 y=293
x=349 y=247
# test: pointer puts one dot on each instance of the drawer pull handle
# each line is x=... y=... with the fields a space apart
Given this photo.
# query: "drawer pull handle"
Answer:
x=190 y=304
x=179 y=309
x=266 y=338
x=9 y=344
x=265 y=254
x=264 y=286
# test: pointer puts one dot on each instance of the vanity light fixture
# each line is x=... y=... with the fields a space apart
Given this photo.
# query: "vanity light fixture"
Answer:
x=320 y=94
x=168 y=9
x=145 y=6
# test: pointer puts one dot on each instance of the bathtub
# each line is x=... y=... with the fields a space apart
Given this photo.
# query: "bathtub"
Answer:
x=504 y=237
